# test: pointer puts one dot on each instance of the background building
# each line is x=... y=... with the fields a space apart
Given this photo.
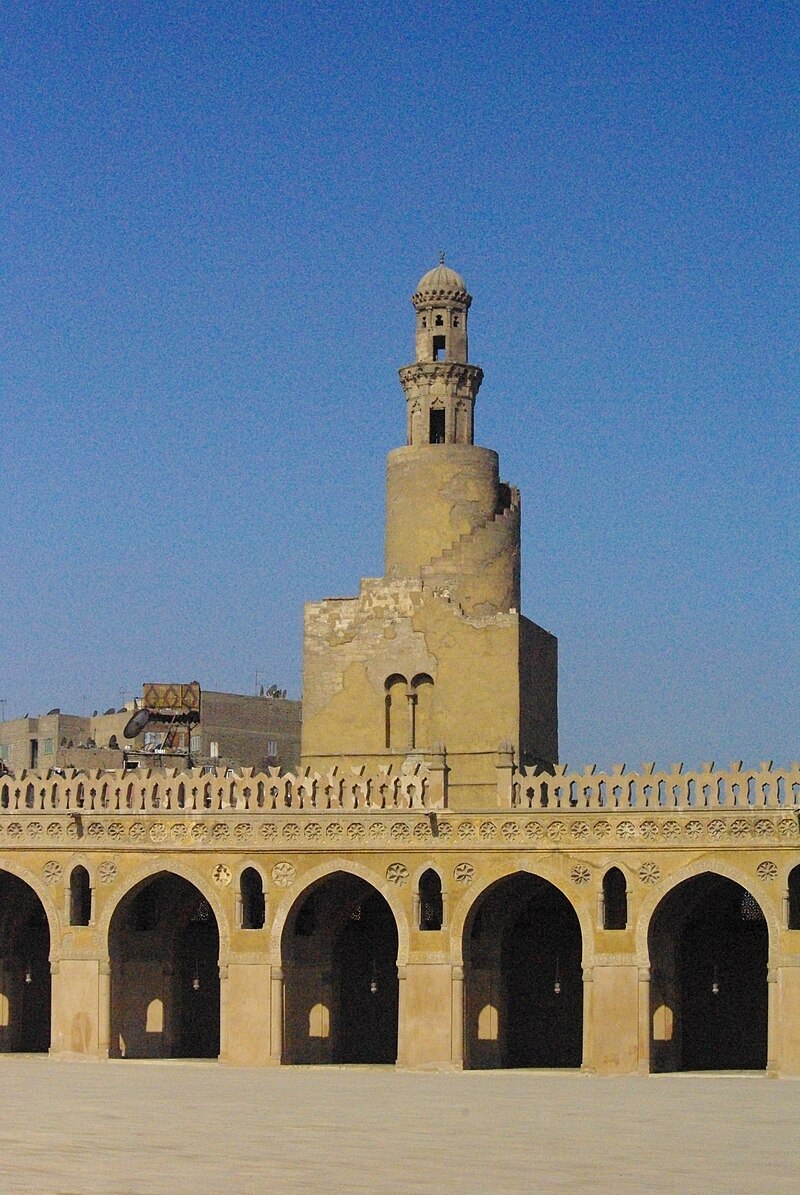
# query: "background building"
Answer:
x=234 y=730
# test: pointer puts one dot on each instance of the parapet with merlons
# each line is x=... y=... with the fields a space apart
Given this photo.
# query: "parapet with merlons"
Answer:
x=410 y=784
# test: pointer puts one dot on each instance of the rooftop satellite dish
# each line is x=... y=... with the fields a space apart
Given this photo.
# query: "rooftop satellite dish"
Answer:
x=272 y=691
x=135 y=725
x=57 y=710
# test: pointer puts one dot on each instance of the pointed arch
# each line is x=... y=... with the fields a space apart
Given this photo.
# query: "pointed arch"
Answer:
x=465 y=907
x=713 y=866
x=155 y=867
x=26 y=941
x=339 y=951
x=708 y=945
x=312 y=876
x=164 y=950
x=523 y=950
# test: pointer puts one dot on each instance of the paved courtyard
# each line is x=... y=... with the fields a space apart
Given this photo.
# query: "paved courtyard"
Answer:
x=176 y=1127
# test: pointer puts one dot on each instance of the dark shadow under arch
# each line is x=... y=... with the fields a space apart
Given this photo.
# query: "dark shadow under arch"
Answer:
x=339 y=952
x=164 y=950
x=25 y=985
x=523 y=977
x=708 y=944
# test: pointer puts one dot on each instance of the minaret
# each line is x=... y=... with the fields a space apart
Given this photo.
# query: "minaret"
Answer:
x=440 y=386
x=434 y=658
x=449 y=519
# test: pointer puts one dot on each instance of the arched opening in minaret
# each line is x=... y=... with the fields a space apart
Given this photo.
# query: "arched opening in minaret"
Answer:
x=164 y=950
x=523 y=977
x=398 y=713
x=421 y=710
x=436 y=428
x=339 y=952
x=708 y=944
x=24 y=970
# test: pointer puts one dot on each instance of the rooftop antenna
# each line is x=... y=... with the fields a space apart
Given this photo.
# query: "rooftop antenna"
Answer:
x=2 y=709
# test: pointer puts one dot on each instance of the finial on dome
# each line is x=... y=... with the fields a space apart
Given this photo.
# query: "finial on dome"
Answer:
x=441 y=257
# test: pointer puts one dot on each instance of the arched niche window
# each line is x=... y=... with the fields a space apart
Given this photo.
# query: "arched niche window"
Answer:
x=252 y=893
x=397 y=713
x=431 y=910
x=80 y=897
x=615 y=900
x=421 y=706
x=794 y=898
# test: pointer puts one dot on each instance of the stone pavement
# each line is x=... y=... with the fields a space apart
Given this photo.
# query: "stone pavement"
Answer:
x=107 y=1128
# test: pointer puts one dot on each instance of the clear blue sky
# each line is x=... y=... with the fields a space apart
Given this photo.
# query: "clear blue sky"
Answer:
x=213 y=216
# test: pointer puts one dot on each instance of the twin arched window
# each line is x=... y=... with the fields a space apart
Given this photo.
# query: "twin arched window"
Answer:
x=409 y=709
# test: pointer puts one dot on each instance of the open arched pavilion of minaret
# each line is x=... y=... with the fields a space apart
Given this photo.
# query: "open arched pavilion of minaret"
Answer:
x=432 y=888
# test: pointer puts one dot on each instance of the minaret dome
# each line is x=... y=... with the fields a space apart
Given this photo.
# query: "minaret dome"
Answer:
x=441 y=301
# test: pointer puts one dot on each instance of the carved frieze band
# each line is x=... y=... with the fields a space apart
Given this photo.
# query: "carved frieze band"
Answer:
x=375 y=831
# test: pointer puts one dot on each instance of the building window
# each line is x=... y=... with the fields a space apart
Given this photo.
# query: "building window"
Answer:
x=152 y=738
x=794 y=898
x=195 y=743
x=431 y=913
x=48 y=747
x=396 y=713
x=272 y=747
x=439 y=344
x=437 y=427
x=615 y=900
x=80 y=897
x=252 y=894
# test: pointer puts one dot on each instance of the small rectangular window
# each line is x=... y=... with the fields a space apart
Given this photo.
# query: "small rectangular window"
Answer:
x=195 y=743
x=439 y=343
x=437 y=427
x=48 y=746
x=272 y=747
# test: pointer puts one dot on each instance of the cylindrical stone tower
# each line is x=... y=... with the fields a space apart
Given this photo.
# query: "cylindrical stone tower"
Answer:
x=449 y=519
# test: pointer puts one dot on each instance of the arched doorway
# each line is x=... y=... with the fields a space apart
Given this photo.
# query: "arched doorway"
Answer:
x=24 y=969
x=339 y=951
x=523 y=977
x=164 y=950
x=708 y=945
